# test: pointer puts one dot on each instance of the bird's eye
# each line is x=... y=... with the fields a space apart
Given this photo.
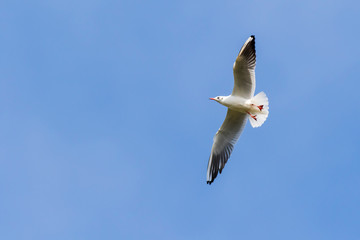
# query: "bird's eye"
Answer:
x=218 y=98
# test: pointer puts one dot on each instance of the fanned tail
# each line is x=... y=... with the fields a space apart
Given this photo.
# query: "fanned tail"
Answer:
x=261 y=102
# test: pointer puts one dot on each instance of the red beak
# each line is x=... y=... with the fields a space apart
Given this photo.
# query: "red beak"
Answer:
x=212 y=98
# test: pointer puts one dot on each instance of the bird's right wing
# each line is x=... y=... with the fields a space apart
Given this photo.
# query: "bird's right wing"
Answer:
x=244 y=70
x=224 y=141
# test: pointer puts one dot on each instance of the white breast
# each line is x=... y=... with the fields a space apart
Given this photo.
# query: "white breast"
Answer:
x=237 y=103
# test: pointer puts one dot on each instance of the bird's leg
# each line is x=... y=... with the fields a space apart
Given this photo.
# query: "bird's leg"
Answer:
x=253 y=116
x=260 y=107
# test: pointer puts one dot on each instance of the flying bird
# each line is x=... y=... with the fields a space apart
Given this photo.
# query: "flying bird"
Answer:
x=242 y=105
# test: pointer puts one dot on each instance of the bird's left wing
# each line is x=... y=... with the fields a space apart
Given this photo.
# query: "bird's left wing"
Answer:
x=224 y=141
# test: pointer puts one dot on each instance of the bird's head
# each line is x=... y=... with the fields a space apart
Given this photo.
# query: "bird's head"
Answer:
x=219 y=99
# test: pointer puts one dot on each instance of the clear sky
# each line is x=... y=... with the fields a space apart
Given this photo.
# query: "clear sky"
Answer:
x=106 y=126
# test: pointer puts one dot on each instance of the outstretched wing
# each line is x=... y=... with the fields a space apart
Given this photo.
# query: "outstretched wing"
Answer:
x=244 y=70
x=224 y=142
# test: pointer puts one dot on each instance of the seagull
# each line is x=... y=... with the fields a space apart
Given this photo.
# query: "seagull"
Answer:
x=242 y=105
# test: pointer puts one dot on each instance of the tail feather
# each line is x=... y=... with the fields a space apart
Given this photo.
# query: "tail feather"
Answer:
x=261 y=115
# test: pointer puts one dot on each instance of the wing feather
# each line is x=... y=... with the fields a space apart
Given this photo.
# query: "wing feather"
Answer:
x=224 y=141
x=244 y=70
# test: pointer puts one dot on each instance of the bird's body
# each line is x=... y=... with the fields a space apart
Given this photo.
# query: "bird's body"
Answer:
x=241 y=104
x=238 y=104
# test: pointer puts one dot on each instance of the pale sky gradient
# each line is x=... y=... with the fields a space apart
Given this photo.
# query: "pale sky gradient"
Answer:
x=106 y=127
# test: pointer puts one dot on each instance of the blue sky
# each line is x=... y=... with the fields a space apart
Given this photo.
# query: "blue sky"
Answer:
x=106 y=127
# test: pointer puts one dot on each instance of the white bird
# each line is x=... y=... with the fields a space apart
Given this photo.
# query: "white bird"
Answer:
x=241 y=104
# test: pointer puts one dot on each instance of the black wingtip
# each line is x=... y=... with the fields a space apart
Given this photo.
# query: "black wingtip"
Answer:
x=253 y=36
